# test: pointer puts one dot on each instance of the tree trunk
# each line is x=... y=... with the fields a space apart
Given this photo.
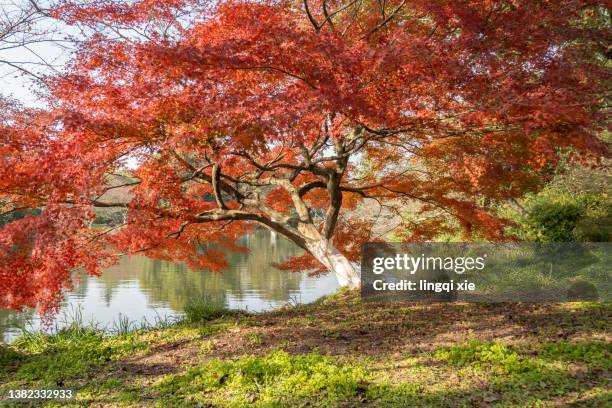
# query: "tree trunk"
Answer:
x=336 y=262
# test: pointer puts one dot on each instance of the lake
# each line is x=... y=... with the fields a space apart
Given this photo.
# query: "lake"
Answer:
x=140 y=288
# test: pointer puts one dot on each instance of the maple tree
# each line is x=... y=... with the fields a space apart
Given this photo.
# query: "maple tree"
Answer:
x=291 y=115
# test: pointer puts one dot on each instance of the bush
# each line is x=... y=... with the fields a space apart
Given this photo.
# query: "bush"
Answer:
x=559 y=217
x=552 y=220
x=204 y=310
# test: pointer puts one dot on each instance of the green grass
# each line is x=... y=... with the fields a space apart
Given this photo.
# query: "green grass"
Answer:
x=339 y=352
x=276 y=379
x=49 y=360
x=530 y=376
x=204 y=310
x=482 y=355
x=595 y=355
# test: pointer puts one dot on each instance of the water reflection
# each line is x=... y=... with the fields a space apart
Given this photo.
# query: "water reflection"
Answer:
x=139 y=287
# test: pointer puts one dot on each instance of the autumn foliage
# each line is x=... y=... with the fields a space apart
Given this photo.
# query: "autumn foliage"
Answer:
x=292 y=115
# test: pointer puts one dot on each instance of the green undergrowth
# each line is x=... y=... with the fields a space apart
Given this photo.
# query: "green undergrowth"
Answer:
x=49 y=360
x=529 y=374
x=530 y=358
x=204 y=310
x=276 y=379
x=315 y=356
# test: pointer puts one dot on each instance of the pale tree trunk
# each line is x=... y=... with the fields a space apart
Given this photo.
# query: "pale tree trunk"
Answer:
x=335 y=261
x=310 y=238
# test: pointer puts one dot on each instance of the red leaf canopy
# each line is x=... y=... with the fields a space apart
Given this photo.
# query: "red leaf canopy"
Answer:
x=293 y=116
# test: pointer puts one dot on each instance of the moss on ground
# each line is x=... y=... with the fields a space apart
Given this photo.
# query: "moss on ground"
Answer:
x=337 y=352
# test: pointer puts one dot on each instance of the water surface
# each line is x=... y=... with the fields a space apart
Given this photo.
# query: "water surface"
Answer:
x=139 y=288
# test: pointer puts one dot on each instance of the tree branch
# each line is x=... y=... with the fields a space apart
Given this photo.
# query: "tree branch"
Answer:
x=314 y=23
x=386 y=20
x=216 y=180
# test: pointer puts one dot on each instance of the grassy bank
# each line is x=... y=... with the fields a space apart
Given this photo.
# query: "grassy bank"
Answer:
x=337 y=352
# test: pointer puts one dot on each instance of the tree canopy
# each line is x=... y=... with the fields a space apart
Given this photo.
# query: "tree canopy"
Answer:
x=226 y=115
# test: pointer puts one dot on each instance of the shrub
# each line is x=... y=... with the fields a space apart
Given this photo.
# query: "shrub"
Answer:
x=552 y=216
x=552 y=219
x=204 y=310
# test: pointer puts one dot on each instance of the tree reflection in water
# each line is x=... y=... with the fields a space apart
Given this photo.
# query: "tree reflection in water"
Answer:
x=139 y=287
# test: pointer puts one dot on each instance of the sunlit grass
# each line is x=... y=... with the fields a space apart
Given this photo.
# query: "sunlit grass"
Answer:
x=276 y=379
x=216 y=357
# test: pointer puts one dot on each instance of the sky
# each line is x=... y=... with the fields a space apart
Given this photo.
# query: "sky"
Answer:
x=45 y=55
x=40 y=51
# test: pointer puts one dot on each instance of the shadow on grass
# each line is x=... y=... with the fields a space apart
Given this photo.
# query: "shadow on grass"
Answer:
x=533 y=362
x=375 y=329
x=279 y=379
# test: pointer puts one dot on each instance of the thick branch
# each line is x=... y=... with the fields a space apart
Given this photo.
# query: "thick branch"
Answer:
x=216 y=180
x=335 y=194
x=240 y=215
x=305 y=188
